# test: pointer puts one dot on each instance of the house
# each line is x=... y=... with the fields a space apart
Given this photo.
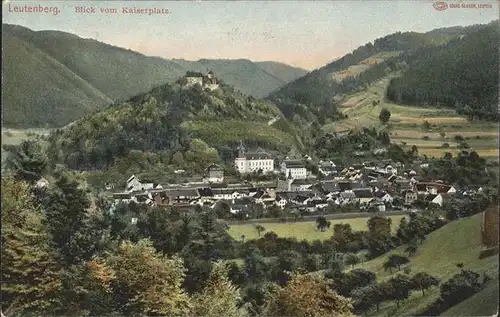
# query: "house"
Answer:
x=402 y=184
x=379 y=151
x=330 y=187
x=182 y=196
x=446 y=189
x=122 y=198
x=379 y=206
x=434 y=188
x=363 y=195
x=383 y=196
x=253 y=162
x=349 y=185
x=300 y=199
x=294 y=169
x=206 y=195
x=409 y=196
x=42 y=183
x=281 y=200
x=300 y=185
x=347 y=198
x=327 y=168
x=435 y=199
x=134 y=185
x=319 y=202
x=214 y=173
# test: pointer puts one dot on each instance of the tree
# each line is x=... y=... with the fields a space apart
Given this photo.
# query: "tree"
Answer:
x=384 y=115
x=157 y=226
x=423 y=281
x=312 y=262
x=178 y=159
x=146 y=282
x=460 y=287
x=288 y=261
x=255 y=267
x=87 y=290
x=351 y=259
x=74 y=233
x=321 y=223
x=307 y=295
x=411 y=248
x=398 y=260
x=219 y=296
x=362 y=299
x=345 y=283
x=342 y=235
x=259 y=229
x=30 y=274
x=388 y=266
x=27 y=162
x=401 y=286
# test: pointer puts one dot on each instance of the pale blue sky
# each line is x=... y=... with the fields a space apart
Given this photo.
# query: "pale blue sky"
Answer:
x=307 y=34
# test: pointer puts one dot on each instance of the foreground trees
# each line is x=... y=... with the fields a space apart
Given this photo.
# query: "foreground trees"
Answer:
x=30 y=278
x=306 y=295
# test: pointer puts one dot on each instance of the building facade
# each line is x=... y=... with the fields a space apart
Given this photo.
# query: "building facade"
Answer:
x=253 y=162
x=294 y=169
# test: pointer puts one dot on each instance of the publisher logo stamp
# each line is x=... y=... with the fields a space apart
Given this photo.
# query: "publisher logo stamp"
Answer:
x=441 y=5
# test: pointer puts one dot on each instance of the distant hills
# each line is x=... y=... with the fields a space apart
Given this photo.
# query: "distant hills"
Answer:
x=315 y=97
x=51 y=78
x=463 y=74
x=173 y=118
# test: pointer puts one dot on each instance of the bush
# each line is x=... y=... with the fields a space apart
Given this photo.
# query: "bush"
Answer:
x=460 y=287
x=445 y=145
x=425 y=137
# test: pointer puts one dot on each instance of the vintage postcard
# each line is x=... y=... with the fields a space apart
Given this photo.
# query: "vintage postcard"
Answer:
x=250 y=158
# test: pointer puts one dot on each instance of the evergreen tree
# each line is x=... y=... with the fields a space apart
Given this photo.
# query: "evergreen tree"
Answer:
x=30 y=274
x=74 y=234
x=27 y=161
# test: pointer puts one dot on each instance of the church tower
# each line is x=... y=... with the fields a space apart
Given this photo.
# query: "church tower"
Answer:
x=241 y=150
x=240 y=162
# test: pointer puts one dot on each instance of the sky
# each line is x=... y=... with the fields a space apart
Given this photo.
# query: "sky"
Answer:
x=306 y=34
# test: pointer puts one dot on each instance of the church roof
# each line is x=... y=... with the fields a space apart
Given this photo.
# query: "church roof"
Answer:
x=258 y=156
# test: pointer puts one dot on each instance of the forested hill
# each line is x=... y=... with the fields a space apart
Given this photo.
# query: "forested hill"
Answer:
x=51 y=78
x=313 y=96
x=462 y=74
x=200 y=124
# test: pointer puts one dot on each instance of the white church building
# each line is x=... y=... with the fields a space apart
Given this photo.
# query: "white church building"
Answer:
x=253 y=162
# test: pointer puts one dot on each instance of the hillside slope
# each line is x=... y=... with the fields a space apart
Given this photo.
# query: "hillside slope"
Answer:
x=462 y=74
x=43 y=87
x=457 y=242
x=315 y=96
x=101 y=73
x=167 y=119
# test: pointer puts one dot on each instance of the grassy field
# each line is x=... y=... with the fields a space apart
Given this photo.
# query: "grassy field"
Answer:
x=406 y=125
x=457 y=242
x=301 y=230
x=16 y=136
